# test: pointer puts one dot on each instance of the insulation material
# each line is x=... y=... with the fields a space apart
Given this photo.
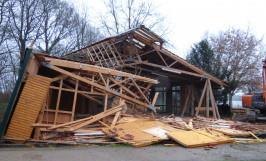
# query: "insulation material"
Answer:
x=158 y=132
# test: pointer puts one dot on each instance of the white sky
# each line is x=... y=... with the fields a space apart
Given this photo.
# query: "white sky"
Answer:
x=189 y=20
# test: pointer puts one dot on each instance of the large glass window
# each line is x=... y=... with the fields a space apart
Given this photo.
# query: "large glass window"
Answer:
x=176 y=99
x=161 y=101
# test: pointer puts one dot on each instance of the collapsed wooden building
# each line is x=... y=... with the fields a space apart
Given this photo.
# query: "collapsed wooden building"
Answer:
x=141 y=52
x=129 y=72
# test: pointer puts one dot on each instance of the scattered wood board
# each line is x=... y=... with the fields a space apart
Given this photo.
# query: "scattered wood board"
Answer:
x=133 y=132
x=198 y=138
x=232 y=132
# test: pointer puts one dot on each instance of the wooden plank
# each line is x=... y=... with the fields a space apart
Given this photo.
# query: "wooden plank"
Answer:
x=156 y=95
x=75 y=100
x=103 y=114
x=94 y=119
x=97 y=69
x=58 y=100
x=27 y=109
x=215 y=108
x=198 y=138
x=186 y=102
x=208 y=100
x=140 y=91
x=117 y=115
x=201 y=98
x=133 y=132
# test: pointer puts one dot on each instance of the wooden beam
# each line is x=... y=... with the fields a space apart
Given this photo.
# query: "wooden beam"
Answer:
x=173 y=70
x=74 y=100
x=91 y=119
x=185 y=63
x=100 y=87
x=155 y=97
x=186 y=102
x=140 y=91
x=158 y=53
x=95 y=69
x=125 y=88
x=117 y=115
x=201 y=98
x=70 y=89
x=58 y=100
x=213 y=101
x=208 y=100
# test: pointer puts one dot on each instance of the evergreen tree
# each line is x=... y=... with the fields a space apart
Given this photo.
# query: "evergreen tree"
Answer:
x=202 y=56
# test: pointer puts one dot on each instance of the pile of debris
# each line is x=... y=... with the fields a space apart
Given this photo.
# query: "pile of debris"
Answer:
x=116 y=126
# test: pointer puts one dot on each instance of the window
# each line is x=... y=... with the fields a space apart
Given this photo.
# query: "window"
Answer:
x=161 y=101
x=176 y=99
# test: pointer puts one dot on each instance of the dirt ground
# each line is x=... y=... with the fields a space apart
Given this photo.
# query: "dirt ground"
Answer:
x=230 y=152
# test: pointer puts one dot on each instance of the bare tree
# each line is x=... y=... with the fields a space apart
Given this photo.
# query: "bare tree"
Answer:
x=53 y=25
x=240 y=56
x=57 y=24
x=24 y=24
x=3 y=20
x=83 y=33
x=125 y=15
x=63 y=28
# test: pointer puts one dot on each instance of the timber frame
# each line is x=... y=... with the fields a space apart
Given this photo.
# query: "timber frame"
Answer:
x=142 y=52
x=67 y=91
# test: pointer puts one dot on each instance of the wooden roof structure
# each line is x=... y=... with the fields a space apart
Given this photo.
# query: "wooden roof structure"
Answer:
x=70 y=85
x=138 y=50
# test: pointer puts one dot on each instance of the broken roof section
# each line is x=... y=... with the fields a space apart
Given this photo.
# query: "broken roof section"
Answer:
x=138 y=49
x=54 y=90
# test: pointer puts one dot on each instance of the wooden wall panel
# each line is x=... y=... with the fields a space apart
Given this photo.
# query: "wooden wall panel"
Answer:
x=28 y=107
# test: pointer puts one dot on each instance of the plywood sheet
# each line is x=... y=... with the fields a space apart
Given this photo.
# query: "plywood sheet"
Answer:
x=28 y=107
x=198 y=138
x=232 y=132
x=134 y=132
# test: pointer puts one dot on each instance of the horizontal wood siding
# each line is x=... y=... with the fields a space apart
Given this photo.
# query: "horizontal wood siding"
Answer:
x=28 y=107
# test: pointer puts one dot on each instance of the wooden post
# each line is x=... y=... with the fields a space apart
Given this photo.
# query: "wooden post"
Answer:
x=106 y=96
x=207 y=91
x=215 y=108
x=186 y=104
x=58 y=100
x=155 y=98
x=74 y=100
x=207 y=100
x=92 y=81
x=192 y=101
x=201 y=98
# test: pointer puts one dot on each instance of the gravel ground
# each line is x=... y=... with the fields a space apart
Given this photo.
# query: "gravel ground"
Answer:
x=230 y=152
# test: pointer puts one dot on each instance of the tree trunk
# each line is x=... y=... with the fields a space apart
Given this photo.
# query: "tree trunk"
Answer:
x=230 y=101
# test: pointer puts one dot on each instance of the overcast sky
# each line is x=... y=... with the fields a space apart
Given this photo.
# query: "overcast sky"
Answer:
x=189 y=20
